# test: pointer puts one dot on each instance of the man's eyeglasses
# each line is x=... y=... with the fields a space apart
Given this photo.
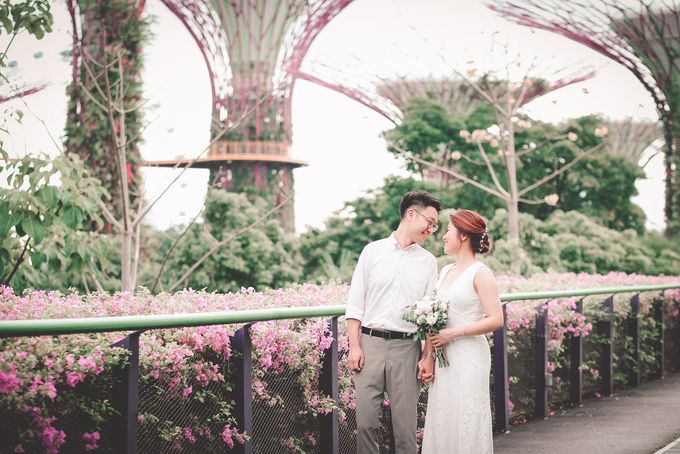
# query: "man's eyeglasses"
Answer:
x=430 y=225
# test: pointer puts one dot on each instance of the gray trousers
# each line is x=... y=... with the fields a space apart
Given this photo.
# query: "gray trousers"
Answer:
x=392 y=366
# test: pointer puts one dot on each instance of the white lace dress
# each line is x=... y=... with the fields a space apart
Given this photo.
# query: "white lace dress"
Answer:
x=458 y=417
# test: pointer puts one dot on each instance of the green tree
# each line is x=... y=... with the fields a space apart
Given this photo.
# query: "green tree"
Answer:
x=258 y=256
x=362 y=220
x=600 y=184
x=45 y=205
x=575 y=242
x=31 y=16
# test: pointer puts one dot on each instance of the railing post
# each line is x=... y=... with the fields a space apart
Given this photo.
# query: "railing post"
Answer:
x=658 y=308
x=329 y=431
x=606 y=330
x=243 y=398
x=541 y=378
x=500 y=377
x=128 y=397
x=634 y=334
x=576 y=360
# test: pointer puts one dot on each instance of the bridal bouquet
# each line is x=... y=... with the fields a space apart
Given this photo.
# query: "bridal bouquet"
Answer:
x=429 y=314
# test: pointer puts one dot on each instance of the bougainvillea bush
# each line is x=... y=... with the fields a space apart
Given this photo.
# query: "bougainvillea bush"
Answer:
x=60 y=392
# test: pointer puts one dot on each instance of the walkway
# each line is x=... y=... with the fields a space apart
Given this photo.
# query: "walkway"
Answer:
x=637 y=421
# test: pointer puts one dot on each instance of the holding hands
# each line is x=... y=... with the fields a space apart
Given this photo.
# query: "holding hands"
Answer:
x=426 y=369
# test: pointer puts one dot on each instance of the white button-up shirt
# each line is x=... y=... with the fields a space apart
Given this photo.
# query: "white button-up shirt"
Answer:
x=388 y=279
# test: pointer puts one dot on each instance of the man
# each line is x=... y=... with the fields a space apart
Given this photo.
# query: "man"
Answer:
x=390 y=275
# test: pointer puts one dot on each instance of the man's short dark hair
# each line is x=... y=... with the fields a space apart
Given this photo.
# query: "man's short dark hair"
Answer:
x=421 y=199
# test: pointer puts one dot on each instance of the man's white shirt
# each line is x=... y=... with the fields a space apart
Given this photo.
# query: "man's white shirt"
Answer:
x=386 y=281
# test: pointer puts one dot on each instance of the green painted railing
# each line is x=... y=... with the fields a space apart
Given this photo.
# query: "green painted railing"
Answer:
x=145 y=322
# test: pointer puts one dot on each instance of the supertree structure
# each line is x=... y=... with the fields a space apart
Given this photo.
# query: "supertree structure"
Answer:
x=642 y=36
x=253 y=49
x=106 y=32
x=459 y=98
x=22 y=91
x=630 y=138
x=390 y=97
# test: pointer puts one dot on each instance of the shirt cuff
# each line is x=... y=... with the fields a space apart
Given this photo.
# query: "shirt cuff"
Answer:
x=354 y=313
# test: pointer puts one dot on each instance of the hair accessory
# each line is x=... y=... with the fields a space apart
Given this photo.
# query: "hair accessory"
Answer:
x=484 y=237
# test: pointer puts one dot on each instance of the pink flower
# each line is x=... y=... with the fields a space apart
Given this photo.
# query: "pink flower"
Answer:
x=91 y=439
x=189 y=435
x=228 y=435
x=73 y=378
x=186 y=391
x=48 y=390
x=52 y=439
x=87 y=363
x=9 y=383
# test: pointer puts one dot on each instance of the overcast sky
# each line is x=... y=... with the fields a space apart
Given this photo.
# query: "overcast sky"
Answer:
x=338 y=137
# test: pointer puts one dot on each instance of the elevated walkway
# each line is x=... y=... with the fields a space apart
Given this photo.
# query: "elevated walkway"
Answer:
x=641 y=420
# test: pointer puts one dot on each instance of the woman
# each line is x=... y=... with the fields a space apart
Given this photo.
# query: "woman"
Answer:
x=458 y=410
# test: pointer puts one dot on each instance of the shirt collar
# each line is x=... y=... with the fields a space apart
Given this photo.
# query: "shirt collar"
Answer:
x=395 y=243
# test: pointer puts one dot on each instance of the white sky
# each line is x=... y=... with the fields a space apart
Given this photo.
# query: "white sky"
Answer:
x=338 y=137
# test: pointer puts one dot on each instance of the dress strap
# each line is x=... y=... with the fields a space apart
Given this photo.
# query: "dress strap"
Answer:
x=442 y=274
x=478 y=265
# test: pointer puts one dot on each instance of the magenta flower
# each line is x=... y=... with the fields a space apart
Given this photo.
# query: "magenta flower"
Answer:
x=91 y=440
x=9 y=383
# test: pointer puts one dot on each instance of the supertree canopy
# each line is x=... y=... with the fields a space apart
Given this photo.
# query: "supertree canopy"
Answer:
x=253 y=49
x=642 y=36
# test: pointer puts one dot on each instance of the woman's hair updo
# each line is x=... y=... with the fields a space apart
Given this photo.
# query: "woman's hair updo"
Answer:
x=473 y=225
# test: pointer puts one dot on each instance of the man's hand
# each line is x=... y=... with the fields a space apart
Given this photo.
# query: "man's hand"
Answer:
x=426 y=369
x=355 y=360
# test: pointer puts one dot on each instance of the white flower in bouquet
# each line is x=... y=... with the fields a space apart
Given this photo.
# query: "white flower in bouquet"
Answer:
x=430 y=315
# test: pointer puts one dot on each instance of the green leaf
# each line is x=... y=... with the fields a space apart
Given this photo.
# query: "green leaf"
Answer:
x=55 y=264
x=4 y=260
x=72 y=216
x=33 y=228
x=37 y=259
x=6 y=24
x=7 y=221
x=76 y=262
x=49 y=196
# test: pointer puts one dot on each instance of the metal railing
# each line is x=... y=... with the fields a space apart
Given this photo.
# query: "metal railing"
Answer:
x=328 y=424
x=230 y=147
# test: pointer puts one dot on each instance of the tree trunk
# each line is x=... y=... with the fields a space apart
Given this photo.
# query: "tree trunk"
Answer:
x=672 y=199
x=513 y=197
x=126 y=281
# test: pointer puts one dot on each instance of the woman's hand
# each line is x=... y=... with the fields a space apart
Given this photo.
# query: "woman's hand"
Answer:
x=426 y=369
x=445 y=336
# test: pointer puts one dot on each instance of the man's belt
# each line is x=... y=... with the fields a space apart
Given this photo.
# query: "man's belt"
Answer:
x=385 y=334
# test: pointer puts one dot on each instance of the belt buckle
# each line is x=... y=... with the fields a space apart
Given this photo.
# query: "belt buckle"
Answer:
x=378 y=333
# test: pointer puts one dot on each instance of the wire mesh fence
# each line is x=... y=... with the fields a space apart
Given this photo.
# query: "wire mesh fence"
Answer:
x=185 y=417
x=283 y=423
